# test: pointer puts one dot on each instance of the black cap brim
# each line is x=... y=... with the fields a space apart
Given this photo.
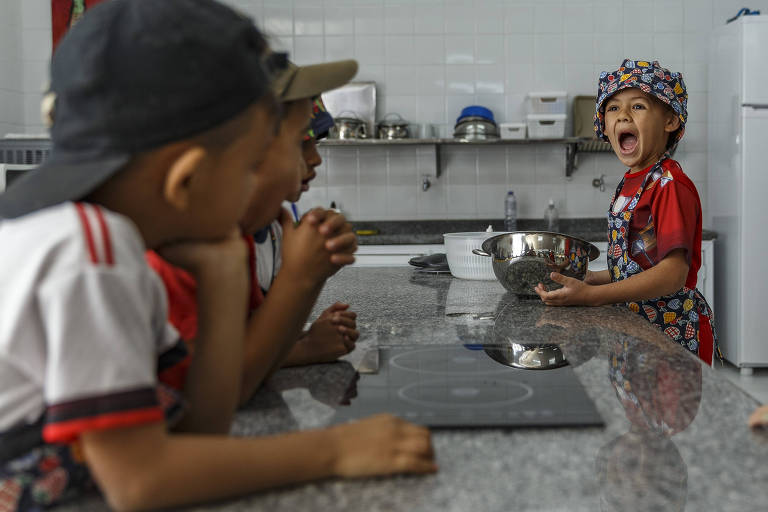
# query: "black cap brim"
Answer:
x=57 y=180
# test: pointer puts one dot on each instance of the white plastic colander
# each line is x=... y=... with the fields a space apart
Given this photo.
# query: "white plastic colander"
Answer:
x=462 y=263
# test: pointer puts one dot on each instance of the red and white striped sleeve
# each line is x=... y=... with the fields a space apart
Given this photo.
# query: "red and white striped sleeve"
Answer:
x=104 y=324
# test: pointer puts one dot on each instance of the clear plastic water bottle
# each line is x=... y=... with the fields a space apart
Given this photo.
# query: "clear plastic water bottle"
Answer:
x=510 y=212
x=551 y=217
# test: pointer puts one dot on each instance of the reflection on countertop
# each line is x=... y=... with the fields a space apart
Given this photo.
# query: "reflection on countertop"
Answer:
x=675 y=435
x=593 y=229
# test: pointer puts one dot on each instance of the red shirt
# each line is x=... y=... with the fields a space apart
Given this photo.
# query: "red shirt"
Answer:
x=181 y=288
x=667 y=217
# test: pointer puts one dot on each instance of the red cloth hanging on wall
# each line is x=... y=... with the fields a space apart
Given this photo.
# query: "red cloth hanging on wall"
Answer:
x=61 y=16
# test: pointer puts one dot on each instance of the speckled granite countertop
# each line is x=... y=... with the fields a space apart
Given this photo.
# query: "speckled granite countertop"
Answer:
x=431 y=231
x=675 y=435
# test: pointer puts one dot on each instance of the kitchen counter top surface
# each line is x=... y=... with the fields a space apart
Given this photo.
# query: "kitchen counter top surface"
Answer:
x=431 y=231
x=675 y=435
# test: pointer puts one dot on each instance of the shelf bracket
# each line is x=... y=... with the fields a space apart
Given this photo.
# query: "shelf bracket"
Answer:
x=571 y=150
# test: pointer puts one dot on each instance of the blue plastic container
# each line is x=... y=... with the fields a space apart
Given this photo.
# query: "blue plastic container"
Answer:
x=475 y=111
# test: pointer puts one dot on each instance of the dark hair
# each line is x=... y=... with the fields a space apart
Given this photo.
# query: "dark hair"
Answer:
x=672 y=137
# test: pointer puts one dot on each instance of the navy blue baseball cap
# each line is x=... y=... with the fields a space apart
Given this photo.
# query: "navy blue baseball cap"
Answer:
x=133 y=75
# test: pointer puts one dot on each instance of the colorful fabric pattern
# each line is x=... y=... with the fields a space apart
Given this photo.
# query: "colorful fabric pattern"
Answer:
x=665 y=85
x=45 y=476
x=667 y=216
x=684 y=315
x=320 y=122
x=48 y=474
x=657 y=398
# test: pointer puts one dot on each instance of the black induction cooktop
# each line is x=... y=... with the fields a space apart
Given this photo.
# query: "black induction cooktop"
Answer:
x=466 y=386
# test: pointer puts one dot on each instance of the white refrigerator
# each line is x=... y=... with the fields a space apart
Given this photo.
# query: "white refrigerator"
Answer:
x=737 y=199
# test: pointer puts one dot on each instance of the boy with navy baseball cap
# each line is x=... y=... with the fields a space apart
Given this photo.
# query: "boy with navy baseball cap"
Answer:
x=161 y=118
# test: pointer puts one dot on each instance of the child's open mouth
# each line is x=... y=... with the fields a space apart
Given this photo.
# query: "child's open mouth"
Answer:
x=627 y=142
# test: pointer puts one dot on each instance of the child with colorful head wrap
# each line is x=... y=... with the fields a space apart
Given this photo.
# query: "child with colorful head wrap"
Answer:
x=654 y=220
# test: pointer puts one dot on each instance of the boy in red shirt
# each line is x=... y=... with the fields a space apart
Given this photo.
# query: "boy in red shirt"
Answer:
x=654 y=221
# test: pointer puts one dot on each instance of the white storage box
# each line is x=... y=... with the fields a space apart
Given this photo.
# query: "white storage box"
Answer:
x=546 y=126
x=548 y=102
x=512 y=130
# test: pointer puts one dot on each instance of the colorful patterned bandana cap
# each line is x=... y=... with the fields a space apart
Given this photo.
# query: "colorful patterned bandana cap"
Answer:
x=649 y=77
x=320 y=122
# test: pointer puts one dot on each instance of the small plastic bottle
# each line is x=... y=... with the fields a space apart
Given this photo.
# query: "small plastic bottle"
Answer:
x=510 y=212
x=551 y=217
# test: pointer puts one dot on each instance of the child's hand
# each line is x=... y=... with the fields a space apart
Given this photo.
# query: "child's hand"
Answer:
x=573 y=293
x=341 y=240
x=331 y=336
x=304 y=251
x=382 y=445
x=319 y=246
x=759 y=418
x=338 y=314
x=219 y=259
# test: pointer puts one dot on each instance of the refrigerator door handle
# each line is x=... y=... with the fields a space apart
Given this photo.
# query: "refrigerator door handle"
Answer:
x=756 y=106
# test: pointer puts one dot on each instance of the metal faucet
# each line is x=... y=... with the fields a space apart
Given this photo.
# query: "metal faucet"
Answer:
x=599 y=183
x=425 y=184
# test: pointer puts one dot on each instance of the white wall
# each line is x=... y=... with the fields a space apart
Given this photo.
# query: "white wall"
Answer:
x=430 y=58
x=25 y=50
x=11 y=113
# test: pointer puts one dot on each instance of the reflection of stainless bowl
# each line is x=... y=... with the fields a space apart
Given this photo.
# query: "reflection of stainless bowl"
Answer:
x=523 y=259
x=527 y=357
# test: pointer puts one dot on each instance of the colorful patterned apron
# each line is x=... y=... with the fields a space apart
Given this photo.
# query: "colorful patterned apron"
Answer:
x=685 y=315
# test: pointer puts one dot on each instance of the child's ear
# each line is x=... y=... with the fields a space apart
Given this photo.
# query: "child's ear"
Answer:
x=672 y=124
x=177 y=188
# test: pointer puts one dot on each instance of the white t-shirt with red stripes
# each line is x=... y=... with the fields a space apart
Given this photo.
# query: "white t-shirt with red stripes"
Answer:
x=82 y=323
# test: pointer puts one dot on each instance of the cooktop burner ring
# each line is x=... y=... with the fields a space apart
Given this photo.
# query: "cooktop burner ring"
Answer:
x=460 y=391
x=463 y=362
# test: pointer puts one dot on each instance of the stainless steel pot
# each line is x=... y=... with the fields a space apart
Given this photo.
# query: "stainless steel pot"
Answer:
x=348 y=128
x=393 y=126
x=475 y=128
x=523 y=259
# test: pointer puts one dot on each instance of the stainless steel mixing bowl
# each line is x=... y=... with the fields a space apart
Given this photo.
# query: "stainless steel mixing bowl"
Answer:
x=523 y=259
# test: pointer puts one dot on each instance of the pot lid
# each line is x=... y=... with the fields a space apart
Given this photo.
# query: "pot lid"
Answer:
x=393 y=119
x=352 y=120
x=476 y=111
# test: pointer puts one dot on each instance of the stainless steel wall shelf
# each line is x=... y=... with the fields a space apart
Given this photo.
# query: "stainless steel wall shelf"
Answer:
x=573 y=146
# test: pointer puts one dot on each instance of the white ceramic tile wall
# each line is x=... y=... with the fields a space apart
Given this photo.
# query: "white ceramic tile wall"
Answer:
x=430 y=58
x=11 y=111
x=25 y=49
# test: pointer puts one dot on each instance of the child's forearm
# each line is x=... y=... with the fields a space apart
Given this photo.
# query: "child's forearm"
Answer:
x=298 y=355
x=599 y=277
x=665 y=278
x=142 y=467
x=187 y=469
x=213 y=384
x=275 y=327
